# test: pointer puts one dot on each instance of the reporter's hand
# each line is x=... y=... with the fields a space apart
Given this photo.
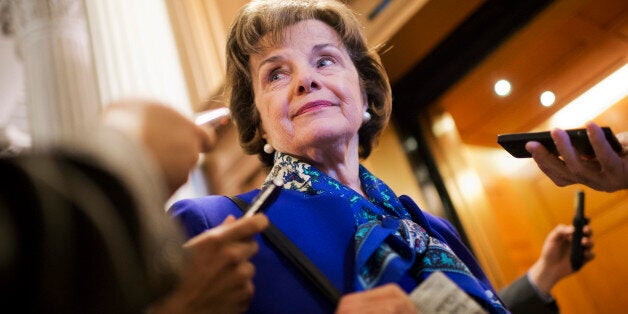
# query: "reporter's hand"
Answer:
x=171 y=139
x=608 y=171
x=389 y=298
x=554 y=263
x=219 y=275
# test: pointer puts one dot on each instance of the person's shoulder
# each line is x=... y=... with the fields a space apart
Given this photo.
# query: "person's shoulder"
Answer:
x=202 y=213
x=198 y=203
x=424 y=218
x=209 y=202
x=443 y=226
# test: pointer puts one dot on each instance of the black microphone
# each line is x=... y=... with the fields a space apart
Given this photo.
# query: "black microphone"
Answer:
x=579 y=221
x=265 y=197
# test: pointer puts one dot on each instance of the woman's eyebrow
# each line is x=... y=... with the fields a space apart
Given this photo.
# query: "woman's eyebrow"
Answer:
x=271 y=59
x=320 y=47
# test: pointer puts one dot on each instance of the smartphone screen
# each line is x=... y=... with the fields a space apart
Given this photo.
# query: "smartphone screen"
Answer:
x=515 y=143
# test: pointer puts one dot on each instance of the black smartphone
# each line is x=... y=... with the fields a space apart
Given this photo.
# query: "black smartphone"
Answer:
x=515 y=143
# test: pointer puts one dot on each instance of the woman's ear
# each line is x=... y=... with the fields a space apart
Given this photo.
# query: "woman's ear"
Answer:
x=260 y=126
x=365 y=101
x=261 y=132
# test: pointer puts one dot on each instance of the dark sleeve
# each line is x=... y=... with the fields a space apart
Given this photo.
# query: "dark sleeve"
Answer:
x=521 y=297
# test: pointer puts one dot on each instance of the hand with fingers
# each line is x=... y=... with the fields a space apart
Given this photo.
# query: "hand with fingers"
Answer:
x=554 y=263
x=608 y=171
x=219 y=275
x=170 y=138
x=388 y=298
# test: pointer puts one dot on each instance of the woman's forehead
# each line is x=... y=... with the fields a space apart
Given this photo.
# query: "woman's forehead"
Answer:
x=312 y=32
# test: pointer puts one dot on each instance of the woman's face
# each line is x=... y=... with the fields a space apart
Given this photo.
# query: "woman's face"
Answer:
x=308 y=92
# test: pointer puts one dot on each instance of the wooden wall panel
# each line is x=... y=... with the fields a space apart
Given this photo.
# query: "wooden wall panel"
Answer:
x=524 y=205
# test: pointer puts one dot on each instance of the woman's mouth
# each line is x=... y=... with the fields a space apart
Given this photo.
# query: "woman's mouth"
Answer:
x=313 y=105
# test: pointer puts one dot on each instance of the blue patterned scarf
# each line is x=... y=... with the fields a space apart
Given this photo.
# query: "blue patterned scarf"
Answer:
x=390 y=247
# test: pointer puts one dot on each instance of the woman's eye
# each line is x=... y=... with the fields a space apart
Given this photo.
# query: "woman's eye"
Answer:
x=323 y=62
x=274 y=76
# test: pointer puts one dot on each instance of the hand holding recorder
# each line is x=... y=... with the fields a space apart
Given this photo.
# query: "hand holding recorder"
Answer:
x=172 y=140
x=565 y=250
x=554 y=263
x=219 y=274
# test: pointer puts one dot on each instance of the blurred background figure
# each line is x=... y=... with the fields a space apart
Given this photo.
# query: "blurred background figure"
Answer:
x=84 y=231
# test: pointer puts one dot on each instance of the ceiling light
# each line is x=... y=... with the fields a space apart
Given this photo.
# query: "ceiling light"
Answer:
x=469 y=183
x=410 y=144
x=547 y=98
x=593 y=102
x=502 y=88
x=443 y=124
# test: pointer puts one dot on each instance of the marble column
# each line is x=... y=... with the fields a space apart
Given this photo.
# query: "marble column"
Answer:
x=135 y=52
x=52 y=40
x=136 y=56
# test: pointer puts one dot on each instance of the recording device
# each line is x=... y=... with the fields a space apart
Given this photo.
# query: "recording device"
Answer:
x=515 y=143
x=213 y=117
x=579 y=221
x=264 y=197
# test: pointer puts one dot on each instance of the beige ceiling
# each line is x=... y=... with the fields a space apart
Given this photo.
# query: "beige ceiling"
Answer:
x=567 y=48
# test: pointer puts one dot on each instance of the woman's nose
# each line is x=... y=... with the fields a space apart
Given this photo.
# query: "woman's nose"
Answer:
x=307 y=83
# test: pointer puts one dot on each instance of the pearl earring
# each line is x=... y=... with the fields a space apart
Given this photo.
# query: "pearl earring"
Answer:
x=366 y=117
x=268 y=149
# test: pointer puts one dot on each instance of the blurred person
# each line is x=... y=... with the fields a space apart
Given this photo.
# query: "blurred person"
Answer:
x=83 y=227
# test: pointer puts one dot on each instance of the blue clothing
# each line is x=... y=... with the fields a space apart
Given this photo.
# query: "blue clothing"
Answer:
x=328 y=221
x=324 y=232
x=279 y=288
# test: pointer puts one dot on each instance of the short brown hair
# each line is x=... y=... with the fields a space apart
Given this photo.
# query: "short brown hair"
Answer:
x=262 y=17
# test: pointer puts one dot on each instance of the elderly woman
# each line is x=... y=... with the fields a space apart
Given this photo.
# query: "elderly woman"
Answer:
x=310 y=98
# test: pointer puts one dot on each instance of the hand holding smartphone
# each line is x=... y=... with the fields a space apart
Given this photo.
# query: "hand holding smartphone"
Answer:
x=515 y=143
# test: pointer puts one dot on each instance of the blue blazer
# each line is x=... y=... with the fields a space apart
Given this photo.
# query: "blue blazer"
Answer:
x=323 y=228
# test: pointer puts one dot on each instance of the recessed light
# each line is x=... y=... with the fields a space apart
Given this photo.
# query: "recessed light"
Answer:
x=502 y=88
x=547 y=98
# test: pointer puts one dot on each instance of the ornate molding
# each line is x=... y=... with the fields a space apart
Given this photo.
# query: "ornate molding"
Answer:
x=52 y=40
x=31 y=14
x=6 y=23
x=47 y=9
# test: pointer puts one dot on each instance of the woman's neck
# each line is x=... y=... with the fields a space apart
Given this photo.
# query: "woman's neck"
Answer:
x=347 y=173
x=340 y=164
